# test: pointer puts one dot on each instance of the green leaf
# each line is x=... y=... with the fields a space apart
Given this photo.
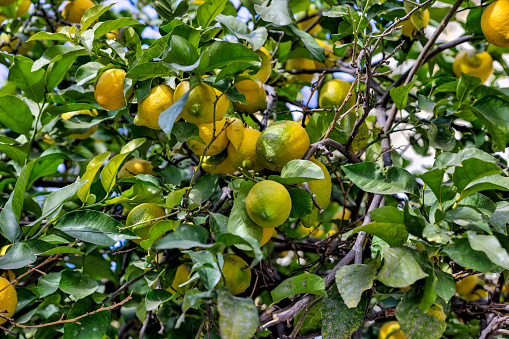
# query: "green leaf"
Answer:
x=339 y=321
x=181 y=53
x=441 y=134
x=492 y=182
x=394 y=234
x=303 y=283
x=222 y=53
x=218 y=224
x=238 y=317
x=49 y=36
x=18 y=153
x=93 y=168
x=56 y=73
x=490 y=245
x=307 y=39
x=155 y=298
x=184 y=131
x=149 y=70
x=472 y=170
x=465 y=85
x=446 y=160
x=93 y=227
x=11 y=212
x=21 y=122
x=370 y=178
x=30 y=82
x=56 y=53
x=444 y=285
x=253 y=245
x=23 y=253
x=204 y=188
x=353 y=280
x=302 y=171
x=167 y=118
x=87 y=72
x=175 y=197
x=400 y=95
x=495 y=109
x=62 y=250
x=239 y=222
x=141 y=179
x=207 y=268
x=256 y=38
x=302 y=204
x=108 y=26
x=48 y=284
x=468 y=218
x=170 y=175
x=109 y=172
x=500 y=217
x=479 y=202
x=278 y=12
x=400 y=267
x=157 y=231
x=90 y=327
x=207 y=12
x=92 y=14
x=388 y=214
x=462 y=253
x=184 y=237
x=76 y=284
x=313 y=320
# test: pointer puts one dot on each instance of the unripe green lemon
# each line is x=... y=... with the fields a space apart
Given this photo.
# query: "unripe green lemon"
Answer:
x=268 y=204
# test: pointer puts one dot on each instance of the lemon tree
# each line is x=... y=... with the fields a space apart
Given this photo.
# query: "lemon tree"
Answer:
x=254 y=169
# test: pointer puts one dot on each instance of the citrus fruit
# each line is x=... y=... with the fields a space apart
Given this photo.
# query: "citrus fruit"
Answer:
x=494 y=24
x=476 y=295
x=9 y=274
x=199 y=107
x=237 y=273
x=6 y=2
x=301 y=63
x=475 y=64
x=109 y=89
x=114 y=34
x=416 y=23
x=23 y=49
x=334 y=92
x=331 y=58
x=235 y=132
x=135 y=167
x=255 y=97
x=181 y=276
x=8 y=299
x=159 y=99
x=140 y=216
x=74 y=10
x=466 y=285
x=23 y=8
x=268 y=233
x=268 y=204
x=263 y=73
x=224 y=167
x=87 y=134
x=390 y=327
x=321 y=188
x=245 y=156
x=281 y=142
x=308 y=22
x=206 y=131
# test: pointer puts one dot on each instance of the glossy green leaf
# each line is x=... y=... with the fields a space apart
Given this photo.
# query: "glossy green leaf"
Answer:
x=56 y=53
x=446 y=159
x=91 y=327
x=30 y=82
x=444 y=285
x=278 y=12
x=302 y=204
x=92 y=14
x=238 y=317
x=500 y=217
x=255 y=39
x=167 y=118
x=222 y=53
x=394 y=234
x=108 y=26
x=400 y=95
x=23 y=253
x=317 y=51
x=239 y=222
x=87 y=72
x=400 y=267
x=218 y=224
x=490 y=245
x=62 y=250
x=301 y=171
x=207 y=12
x=388 y=214
x=495 y=109
x=49 y=36
x=468 y=218
x=93 y=168
x=353 y=280
x=21 y=122
x=48 y=284
x=492 y=182
x=184 y=237
x=466 y=84
x=155 y=298
x=462 y=253
x=441 y=134
x=303 y=283
x=204 y=188
x=56 y=73
x=472 y=170
x=76 y=284
x=157 y=231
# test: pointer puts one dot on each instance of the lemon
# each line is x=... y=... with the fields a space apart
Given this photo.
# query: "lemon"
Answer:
x=281 y=142
x=321 y=188
x=268 y=233
x=206 y=131
x=331 y=58
x=409 y=29
x=109 y=89
x=23 y=49
x=245 y=156
x=140 y=215
x=268 y=204
x=9 y=274
x=8 y=299
x=334 y=92
x=301 y=63
x=494 y=24
x=390 y=327
x=308 y=22
x=199 y=107
x=135 y=167
x=74 y=10
x=466 y=285
x=87 y=134
x=263 y=73
x=181 y=276
x=225 y=167
x=114 y=34
x=475 y=64
x=149 y=110
x=22 y=9
x=255 y=97
x=477 y=294
x=237 y=273
x=235 y=132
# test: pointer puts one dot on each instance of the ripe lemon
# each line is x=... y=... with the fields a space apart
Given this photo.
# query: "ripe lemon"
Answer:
x=390 y=327
x=263 y=73
x=74 y=10
x=8 y=300
x=475 y=64
x=224 y=167
x=308 y=22
x=23 y=8
x=476 y=295
x=268 y=233
x=466 y=285
x=237 y=273
x=141 y=215
x=330 y=57
x=245 y=156
x=6 y=2
x=409 y=29
x=235 y=132
x=255 y=97
x=334 y=92
x=268 y=204
x=135 y=167
x=281 y=142
x=199 y=108
x=159 y=99
x=109 y=89
x=114 y=34
x=9 y=274
x=206 y=131
x=87 y=134
x=181 y=276
x=494 y=24
x=301 y=63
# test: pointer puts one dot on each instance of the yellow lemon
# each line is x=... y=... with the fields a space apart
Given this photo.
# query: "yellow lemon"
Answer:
x=23 y=8
x=301 y=63
x=390 y=327
x=9 y=274
x=135 y=167
x=281 y=142
x=181 y=276
x=245 y=156
x=74 y=10
x=268 y=204
x=321 y=188
x=206 y=131
x=466 y=285
x=255 y=97
x=475 y=64
x=23 y=49
x=477 y=294
x=334 y=92
x=409 y=28
x=114 y=34
x=263 y=73
x=268 y=233
x=8 y=299
x=235 y=132
x=149 y=110
x=494 y=24
x=237 y=273
x=142 y=216
x=87 y=134
x=199 y=107
x=224 y=167
x=109 y=89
